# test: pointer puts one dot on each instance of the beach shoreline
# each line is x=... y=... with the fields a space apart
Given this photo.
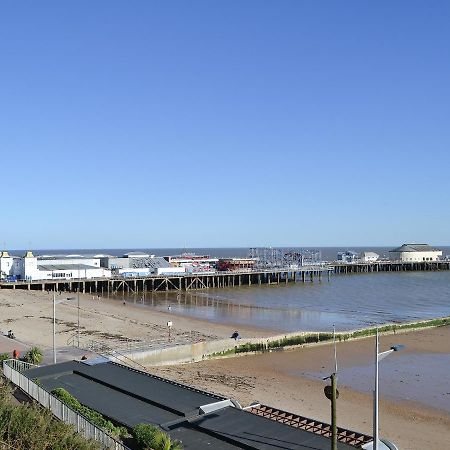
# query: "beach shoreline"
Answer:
x=115 y=323
x=279 y=378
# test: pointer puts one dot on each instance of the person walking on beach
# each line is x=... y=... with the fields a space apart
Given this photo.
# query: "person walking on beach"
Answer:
x=235 y=335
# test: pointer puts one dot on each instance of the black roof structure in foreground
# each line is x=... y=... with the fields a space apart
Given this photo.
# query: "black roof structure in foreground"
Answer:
x=129 y=397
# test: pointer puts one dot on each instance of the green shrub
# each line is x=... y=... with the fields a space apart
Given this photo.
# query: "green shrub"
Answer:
x=162 y=441
x=4 y=356
x=150 y=437
x=93 y=416
x=30 y=427
x=33 y=356
x=143 y=433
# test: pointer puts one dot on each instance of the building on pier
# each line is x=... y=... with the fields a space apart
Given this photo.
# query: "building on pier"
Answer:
x=51 y=267
x=193 y=263
x=347 y=257
x=236 y=264
x=369 y=256
x=134 y=263
x=6 y=265
x=415 y=253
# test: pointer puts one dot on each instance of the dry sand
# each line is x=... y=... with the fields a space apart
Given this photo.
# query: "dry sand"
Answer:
x=267 y=378
x=30 y=315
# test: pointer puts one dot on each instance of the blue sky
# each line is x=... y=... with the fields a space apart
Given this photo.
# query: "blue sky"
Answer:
x=227 y=123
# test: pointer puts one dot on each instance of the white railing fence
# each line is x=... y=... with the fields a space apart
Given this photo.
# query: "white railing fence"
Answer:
x=12 y=370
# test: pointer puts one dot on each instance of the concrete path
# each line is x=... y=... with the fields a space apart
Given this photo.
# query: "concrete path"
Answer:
x=8 y=345
x=66 y=354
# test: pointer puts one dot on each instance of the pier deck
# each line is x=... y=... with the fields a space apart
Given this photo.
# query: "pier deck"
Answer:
x=188 y=282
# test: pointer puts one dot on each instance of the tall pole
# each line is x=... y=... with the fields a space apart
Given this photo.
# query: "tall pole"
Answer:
x=78 y=301
x=54 y=328
x=375 y=398
x=333 y=413
x=335 y=355
x=78 y=329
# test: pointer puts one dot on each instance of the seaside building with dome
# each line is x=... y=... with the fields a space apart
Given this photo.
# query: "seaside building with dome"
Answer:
x=415 y=253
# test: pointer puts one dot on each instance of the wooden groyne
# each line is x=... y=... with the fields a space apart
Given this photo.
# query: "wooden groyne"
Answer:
x=229 y=347
x=189 y=282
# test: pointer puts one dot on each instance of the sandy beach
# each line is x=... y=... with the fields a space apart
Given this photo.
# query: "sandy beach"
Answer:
x=289 y=380
x=108 y=321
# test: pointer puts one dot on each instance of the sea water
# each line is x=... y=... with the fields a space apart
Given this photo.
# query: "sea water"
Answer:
x=348 y=301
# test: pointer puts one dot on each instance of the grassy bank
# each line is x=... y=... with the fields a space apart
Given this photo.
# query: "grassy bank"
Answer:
x=317 y=337
x=30 y=427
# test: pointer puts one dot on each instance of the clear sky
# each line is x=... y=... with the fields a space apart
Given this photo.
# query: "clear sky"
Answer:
x=224 y=123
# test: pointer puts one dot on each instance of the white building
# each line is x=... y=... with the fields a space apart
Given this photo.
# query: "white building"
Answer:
x=415 y=253
x=6 y=265
x=171 y=271
x=32 y=267
x=369 y=256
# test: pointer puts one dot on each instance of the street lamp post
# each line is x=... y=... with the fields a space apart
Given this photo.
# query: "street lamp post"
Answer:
x=332 y=394
x=54 y=322
x=54 y=327
x=378 y=358
x=78 y=301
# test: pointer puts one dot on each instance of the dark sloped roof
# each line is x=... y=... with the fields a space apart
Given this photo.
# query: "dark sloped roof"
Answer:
x=129 y=397
x=256 y=432
x=415 y=248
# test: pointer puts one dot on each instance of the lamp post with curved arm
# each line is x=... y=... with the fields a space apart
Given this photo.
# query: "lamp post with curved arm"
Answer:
x=378 y=357
x=54 y=321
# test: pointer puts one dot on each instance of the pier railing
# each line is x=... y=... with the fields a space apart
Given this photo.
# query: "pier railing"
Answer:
x=13 y=369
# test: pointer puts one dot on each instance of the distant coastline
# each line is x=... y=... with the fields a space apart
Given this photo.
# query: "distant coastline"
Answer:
x=327 y=253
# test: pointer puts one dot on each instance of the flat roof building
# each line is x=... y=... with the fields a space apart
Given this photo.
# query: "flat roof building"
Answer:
x=369 y=256
x=49 y=267
x=139 y=263
x=236 y=264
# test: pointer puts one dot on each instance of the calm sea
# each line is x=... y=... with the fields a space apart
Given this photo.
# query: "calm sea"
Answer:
x=348 y=301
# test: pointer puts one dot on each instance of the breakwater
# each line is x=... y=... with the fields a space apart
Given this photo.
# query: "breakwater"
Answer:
x=229 y=347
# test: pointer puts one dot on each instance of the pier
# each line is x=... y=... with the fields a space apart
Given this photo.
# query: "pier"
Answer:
x=198 y=281
x=188 y=282
x=390 y=266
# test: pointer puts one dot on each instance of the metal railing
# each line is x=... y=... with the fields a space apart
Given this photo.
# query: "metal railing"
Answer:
x=349 y=437
x=12 y=370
